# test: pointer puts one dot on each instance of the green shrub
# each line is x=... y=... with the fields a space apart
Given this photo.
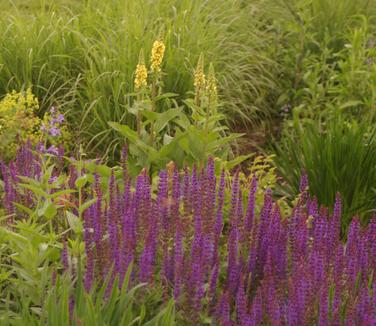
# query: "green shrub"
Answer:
x=18 y=122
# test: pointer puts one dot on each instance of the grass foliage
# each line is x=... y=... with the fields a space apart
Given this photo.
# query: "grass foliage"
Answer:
x=339 y=157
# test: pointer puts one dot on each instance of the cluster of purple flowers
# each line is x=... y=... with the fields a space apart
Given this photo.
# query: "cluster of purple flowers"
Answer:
x=27 y=164
x=52 y=126
x=52 y=129
x=197 y=238
x=218 y=258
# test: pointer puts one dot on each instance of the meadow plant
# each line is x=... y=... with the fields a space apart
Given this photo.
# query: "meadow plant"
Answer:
x=193 y=235
x=166 y=131
x=18 y=121
x=337 y=156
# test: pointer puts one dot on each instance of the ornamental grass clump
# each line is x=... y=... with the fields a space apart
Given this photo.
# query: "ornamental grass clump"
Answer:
x=201 y=239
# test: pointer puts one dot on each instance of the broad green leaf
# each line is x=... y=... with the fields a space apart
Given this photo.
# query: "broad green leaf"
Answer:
x=164 y=118
x=74 y=222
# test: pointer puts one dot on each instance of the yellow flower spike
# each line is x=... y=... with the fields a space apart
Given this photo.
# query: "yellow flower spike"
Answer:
x=141 y=73
x=199 y=81
x=211 y=86
x=157 y=53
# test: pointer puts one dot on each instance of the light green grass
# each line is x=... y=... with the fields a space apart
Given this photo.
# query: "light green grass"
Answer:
x=34 y=6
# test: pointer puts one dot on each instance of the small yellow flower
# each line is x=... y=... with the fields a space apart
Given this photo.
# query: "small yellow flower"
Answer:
x=18 y=121
x=157 y=53
x=141 y=73
x=199 y=81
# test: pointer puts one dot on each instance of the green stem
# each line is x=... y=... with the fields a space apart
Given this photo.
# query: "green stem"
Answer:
x=153 y=105
x=138 y=122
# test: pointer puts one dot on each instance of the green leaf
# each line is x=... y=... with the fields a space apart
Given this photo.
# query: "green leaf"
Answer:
x=24 y=208
x=35 y=189
x=86 y=205
x=81 y=181
x=165 y=95
x=74 y=222
x=48 y=210
x=239 y=159
x=165 y=117
x=132 y=136
x=62 y=192
x=350 y=104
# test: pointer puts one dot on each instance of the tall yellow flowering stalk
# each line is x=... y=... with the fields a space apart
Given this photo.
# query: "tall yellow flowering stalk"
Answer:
x=141 y=74
x=199 y=81
x=211 y=86
x=211 y=90
x=157 y=54
x=140 y=82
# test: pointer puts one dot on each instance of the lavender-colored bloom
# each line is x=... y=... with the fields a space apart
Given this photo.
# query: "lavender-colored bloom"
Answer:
x=88 y=223
x=55 y=131
x=162 y=200
x=220 y=200
x=210 y=195
x=234 y=198
x=196 y=277
x=64 y=256
x=179 y=261
x=277 y=270
x=251 y=205
x=232 y=261
x=174 y=209
x=53 y=150
x=241 y=306
x=187 y=200
x=60 y=118
x=112 y=223
x=256 y=309
x=7 y=188
x=224 y=311
x=213 y=283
